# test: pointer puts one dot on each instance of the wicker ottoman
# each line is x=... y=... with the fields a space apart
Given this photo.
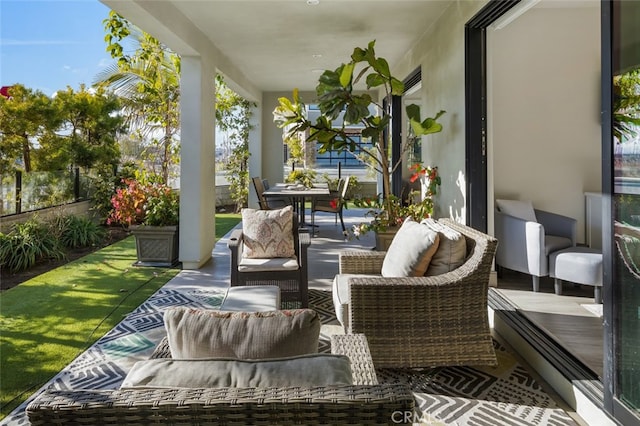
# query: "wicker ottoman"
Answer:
x=582 y=265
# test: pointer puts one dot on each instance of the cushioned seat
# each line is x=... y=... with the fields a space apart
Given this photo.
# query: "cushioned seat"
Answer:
x=271 y=249
x=528 y=236
x=581 y=265
x=251 y=299
x=363 y=402
x=421 y=321
x=341 y=297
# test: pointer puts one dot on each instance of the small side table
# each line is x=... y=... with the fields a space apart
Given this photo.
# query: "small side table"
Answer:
x=582 y=265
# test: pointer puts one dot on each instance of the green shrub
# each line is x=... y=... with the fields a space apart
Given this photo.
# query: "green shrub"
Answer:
x=78 y=231
x=28 y=243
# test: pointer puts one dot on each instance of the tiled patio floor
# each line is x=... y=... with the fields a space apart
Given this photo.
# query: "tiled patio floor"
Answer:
x=106 y=363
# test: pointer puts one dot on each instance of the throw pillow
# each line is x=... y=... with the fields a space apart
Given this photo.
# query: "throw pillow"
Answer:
x=267 y=233
x=452 y=249
x=304 y=371
x=517 y=208
x=195 y=333
x=410 y=251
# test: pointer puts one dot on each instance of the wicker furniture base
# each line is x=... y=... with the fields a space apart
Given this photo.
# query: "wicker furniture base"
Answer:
x=424 y=321
x=294 y=284
x=364 y=402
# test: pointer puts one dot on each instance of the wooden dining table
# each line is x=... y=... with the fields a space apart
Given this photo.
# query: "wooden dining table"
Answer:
x=299 y=194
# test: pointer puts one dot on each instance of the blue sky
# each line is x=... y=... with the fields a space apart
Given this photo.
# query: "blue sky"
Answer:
x=49 y=45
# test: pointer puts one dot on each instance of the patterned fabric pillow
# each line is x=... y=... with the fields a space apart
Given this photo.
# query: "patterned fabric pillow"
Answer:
x=267 y=233
x=199 y=333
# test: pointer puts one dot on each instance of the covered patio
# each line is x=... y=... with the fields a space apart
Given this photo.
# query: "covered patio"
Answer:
x=510 y=392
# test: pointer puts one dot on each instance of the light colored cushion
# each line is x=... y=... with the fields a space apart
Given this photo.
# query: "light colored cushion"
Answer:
x=341 y=296
x=452 y=248
x=195 y=333
x=253 y=298
x=305 y=371
x=522 y=209
x=267 y=233
x=272 y=264
x=410 y=251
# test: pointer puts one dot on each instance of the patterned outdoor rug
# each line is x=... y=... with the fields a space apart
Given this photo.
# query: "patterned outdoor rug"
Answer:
x=502 y=395
x=505 y=395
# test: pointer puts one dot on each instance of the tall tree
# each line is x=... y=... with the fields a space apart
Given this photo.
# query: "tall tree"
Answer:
x=89 y=126
x=24 y=118
x=148 y=82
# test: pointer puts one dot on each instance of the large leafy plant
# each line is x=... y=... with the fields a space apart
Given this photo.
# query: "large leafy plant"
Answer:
x=337 y=95
x=142 y=203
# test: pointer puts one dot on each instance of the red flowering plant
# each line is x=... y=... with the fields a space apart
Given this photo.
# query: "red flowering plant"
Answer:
x=393 y=211
x=140 y=203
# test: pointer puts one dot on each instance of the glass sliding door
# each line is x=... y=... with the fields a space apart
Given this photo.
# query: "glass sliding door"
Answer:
x=623 y=254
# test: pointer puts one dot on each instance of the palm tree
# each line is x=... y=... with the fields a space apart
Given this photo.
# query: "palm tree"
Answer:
x=148 y=83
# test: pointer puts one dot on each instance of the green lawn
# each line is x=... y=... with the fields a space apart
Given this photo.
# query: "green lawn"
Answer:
x=49 y=320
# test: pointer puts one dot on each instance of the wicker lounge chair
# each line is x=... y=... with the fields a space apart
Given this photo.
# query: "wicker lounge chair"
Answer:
x=426 y=321
x=364 y=402
x=293 y=283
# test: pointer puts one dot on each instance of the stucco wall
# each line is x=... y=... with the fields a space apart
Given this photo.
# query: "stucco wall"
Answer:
x=544 y=103
x=440 y=53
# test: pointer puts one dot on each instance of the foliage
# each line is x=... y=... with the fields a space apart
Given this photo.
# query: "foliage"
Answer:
x=27 y=244
x=73 y=129
x=148 y=82
x=305 y=177
x=626 y=105
x=395 y=210
x=90 y=125
x=337 y=96
x=141 y=202
x=79 y=231
x=233 y=116
x=104 y=186
x=24 y=118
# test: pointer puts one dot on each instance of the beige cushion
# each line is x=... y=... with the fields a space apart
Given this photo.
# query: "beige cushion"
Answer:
x=410 y=251
x=452 y=248
x=267 y=233
x=195 y=333
x=272 y=264
x=522 y=209
x=341 y=296
x=305 y=371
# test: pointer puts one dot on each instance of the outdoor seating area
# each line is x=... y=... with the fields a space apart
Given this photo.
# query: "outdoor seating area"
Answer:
x=89 y=389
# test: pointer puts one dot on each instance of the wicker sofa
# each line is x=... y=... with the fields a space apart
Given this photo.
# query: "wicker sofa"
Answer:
x=423 y=321
x=364 y=402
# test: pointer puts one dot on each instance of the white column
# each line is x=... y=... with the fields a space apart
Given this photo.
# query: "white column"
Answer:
x=197 y=162
x=255 y=149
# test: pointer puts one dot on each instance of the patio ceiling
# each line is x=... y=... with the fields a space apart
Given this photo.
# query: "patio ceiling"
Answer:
x=277 y=45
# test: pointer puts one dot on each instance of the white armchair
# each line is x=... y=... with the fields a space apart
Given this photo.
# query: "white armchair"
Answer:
x=526 y=236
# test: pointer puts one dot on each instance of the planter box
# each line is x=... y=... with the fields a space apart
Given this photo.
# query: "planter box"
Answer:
x=156 y=245
x=384 y=238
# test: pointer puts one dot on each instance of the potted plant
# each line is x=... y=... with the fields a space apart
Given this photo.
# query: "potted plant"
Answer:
x=386 y=217
x=337 y=96
x=151 y=212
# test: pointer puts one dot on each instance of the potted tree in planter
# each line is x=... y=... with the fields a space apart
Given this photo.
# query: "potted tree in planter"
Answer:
x=151 y=212
x=337 y=95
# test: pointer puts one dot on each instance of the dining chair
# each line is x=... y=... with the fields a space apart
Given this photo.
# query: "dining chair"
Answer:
x=334 y=203
x=267 y=203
